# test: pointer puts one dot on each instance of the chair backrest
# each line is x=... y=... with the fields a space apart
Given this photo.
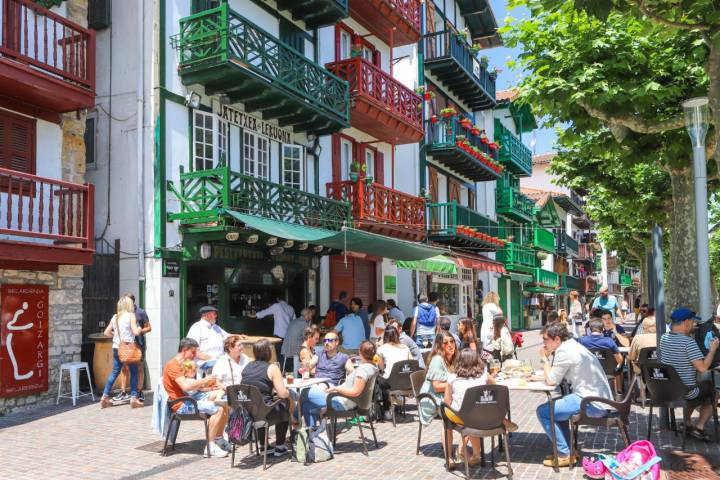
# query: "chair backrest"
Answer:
x=365 y=399
x=416 y=381
x=249 y=398
x=663 y=383
x=606 y=358
x=647 y=354
x=399 y=378
x=484 y=407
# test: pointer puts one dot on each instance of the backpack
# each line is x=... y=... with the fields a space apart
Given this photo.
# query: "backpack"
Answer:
x=426 y=315
x=239 y=427
x=313 y=445
x=703 y=335
x=638 y=461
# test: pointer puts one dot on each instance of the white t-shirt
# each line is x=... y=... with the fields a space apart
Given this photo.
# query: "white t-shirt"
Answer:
x=461 y=385
x=391 y=354
x=209 y=336
x=122 y=330
x=379 y=322
x=228 y=371
x=486 y=329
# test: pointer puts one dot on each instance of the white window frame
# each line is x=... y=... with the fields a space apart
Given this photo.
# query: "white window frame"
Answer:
x=345 y=44
x=370 y=163
x=345 y=160
x=301 y=166
x=215 y=150
x=256 y=155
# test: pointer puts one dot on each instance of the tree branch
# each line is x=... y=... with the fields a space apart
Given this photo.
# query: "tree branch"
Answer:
x=633 y=122
x=640 y=4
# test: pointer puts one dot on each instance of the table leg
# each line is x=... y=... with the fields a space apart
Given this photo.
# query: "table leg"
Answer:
x=553 y=436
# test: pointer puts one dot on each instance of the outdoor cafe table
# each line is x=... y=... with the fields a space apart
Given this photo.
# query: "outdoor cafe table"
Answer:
x=301 y=384
x=540 y=387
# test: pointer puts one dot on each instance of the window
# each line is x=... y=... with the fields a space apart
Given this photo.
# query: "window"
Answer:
x=345 y=44
x=370 y=162
x=89 y=137
x=17 y=143
x=345 y=158
x=293 y=166
x=209 y=140
x=256 y=156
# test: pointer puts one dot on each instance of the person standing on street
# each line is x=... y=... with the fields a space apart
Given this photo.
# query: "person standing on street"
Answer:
x=490 y=309
x=143 y=322
x=282 y=314
x=607 y=302
x=352 y=328
x=424 y=323
x=294 y=339
x=576 y=314
x=394 y=311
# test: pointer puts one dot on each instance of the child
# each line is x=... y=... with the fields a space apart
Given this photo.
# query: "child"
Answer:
x=214 y=391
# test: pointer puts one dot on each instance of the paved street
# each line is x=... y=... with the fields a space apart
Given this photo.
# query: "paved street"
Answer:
x=85 y=442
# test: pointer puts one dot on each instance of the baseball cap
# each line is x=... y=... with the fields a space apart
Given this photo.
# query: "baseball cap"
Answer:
x=682 y=314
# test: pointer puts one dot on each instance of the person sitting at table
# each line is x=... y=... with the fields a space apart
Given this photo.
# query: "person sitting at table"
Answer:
x=582 y=370
x=503 y=347
x=467 y=334
x=332 y=363
x=389 y=353
x=595 y=340
x=267 y=378
x=679 y=350
x=176 y=384
x=470 y=372
x=444 y=325
x=642 y=340
x=213 y=392
x=352 y=387
x=308 y=357
x=209 y=336
x=440 y=364
x=407 y=341
x=612 y=330
x=228 y=369
x=352 y=328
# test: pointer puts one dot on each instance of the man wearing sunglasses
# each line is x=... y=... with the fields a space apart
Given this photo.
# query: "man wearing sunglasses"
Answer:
x=332 y=363
x=582 y=370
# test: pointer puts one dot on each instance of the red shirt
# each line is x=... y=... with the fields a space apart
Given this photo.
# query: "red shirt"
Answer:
x=171 y=372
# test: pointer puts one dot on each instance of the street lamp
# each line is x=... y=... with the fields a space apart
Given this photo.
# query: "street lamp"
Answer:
x=696 y=123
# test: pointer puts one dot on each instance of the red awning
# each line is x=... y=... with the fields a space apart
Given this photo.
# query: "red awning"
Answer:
x=478 y=262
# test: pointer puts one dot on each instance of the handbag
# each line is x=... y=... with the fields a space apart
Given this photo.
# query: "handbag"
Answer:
x=128 y=352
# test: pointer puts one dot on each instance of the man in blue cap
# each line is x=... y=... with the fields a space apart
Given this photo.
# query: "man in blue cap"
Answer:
x=679 y=350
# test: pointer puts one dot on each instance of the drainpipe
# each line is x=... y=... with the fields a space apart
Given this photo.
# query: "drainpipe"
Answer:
x=421 y=81
x=140 y=147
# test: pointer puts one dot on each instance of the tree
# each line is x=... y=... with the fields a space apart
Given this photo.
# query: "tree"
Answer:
x=619 y=81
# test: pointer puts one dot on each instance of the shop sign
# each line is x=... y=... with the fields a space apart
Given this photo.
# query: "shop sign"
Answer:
x=254 y=124
x=390 y=284
x=24 y=340
x=171 y=268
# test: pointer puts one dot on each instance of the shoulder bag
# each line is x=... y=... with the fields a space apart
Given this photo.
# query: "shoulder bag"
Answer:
x=128 y=352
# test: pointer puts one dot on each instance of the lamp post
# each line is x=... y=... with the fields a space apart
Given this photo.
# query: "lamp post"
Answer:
x=696 y=123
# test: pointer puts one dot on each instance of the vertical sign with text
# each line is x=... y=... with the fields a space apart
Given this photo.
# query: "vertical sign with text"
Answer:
x=23 y=340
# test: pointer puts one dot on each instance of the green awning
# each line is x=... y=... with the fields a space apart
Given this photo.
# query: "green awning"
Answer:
x=542 y=290
x=438 y=264
x=348 y=239
x=519 y=277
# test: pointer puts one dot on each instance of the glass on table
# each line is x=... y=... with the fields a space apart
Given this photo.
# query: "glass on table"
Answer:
x=494 y=366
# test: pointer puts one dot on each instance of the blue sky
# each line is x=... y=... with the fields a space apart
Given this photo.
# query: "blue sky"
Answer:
x=545 y=138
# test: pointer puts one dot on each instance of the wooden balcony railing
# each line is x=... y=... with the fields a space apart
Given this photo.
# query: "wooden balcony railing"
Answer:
x=517 y=255
x=511 y=202
x=45 y=209
x=378 y=203
x=204 y=194
x=543 y=239
x=572 y=283
x=585 y=252
x=394 y=22
x=567 y=245
x=453 y=219
x=48 y=42
x=546 y=278
x=513 y=153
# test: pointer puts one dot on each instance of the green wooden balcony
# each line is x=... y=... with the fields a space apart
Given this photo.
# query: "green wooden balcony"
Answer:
x=315 y=13
x=227 y=54
x=567 y=245
x=545 y=278
x=572 y=283
x=456 y=225
x=517 y=258
x=205 y=195
x=513 y=204
x=514 y=155
x=454 y=146
x=543 y=239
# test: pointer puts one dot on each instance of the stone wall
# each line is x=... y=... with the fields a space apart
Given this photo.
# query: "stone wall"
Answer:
x=65 y=327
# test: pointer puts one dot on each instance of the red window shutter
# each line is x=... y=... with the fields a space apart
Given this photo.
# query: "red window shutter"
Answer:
x=17 y=149
x=336 y=168
x=379 y=168
x=471 y=199
x=376 y=58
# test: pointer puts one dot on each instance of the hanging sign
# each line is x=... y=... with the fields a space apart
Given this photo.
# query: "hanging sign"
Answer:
x=23 y=340
x=254 y=124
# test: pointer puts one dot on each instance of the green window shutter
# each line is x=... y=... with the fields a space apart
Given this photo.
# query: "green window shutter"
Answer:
x=292 y=35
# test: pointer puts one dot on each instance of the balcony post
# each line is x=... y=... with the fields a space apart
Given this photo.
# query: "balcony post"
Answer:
x=226 y=188
x=89 y=212
x=360 y=195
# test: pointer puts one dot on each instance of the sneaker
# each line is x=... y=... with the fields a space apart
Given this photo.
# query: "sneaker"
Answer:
x=280 y=450
x=121 y=397
x=141 y=396
x=224 y=444
x=388 y=415
x=216 y=451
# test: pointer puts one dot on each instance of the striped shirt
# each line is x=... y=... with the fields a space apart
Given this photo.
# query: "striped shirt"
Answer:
x=679 y=351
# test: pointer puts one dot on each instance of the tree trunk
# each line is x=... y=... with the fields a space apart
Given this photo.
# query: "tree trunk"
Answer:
x=681 y=276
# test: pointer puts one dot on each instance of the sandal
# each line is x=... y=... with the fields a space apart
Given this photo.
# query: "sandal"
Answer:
x=701 y=435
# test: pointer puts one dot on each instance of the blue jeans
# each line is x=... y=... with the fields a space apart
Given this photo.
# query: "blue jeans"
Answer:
x=117 y=366
x=315 y=401
x=565 y=408
x=420 y=340
x=204 y=405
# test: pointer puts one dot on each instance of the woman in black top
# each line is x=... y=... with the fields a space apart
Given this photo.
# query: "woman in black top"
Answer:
x=268 y=377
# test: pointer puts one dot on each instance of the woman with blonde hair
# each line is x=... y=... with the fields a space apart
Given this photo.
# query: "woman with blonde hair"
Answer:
x=490 y=308
x=123 y=327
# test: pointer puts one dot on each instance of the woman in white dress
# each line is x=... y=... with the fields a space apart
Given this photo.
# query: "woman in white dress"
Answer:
x=490 y=308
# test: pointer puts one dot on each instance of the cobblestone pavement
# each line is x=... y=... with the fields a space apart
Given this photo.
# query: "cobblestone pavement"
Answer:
x=87 y=443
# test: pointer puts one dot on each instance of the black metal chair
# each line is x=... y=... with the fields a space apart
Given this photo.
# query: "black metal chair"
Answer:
x=606 y=357
x=176 y=418
x=618 y=418
x=363 y=407
x=416 y=381
x=647 y=354
x=399 y=382
x=482 y=413
x=667 y=390
x=249 y=398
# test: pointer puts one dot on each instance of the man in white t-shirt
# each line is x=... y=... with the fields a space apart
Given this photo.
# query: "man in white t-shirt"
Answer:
x=425 y=318
x=209 y=336
x=282 y=314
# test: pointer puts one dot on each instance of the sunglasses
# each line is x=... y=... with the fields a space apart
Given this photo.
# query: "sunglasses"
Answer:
x=449 y=342
x=329 y=340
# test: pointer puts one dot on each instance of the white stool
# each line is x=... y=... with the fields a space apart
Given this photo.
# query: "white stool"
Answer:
x=73 y=369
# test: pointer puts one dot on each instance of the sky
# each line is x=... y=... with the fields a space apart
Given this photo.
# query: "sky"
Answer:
x=544 y=138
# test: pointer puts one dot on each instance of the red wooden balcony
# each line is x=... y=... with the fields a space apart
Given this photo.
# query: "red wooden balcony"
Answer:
x=381 y=17
x=44 y=222
x=381 y=209
x=381 y=106
x=47 y=63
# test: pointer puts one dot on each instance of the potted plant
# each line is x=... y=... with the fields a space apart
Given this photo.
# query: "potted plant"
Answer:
x=541 y=256
x=419 y=107
x=434 y=119
x=368 y=180
x=494 y=72
x=356 y=50
x=448 y=112
x=465 y=122
x=460 y=138
x=462 y=34
x=475 y=131
x=475 y=48
x=355 y=171
x=484 y=61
